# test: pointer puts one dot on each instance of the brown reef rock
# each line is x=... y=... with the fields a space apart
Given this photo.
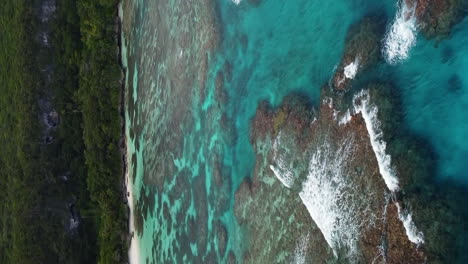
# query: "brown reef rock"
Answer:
x=317 y=175
x=437 y=17
x=362 y=50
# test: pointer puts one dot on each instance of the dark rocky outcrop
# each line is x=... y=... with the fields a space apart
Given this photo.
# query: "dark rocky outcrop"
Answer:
x=362 y=50
x=437 y=17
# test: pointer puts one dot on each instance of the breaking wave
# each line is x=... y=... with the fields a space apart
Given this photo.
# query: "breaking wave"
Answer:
x=324 y=191
x=414 y=235
x=369 y=113
x=282 y=169
x=331 y=198
x=401 y=36
x=351 y=69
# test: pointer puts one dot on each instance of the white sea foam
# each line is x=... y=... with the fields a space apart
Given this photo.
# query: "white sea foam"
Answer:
x=414 y=235
x=324 y=192
x=284 y=176
x=134 y=248
x=282 y=170
x=300 y=253
x=369 y=112
x=345 y=118
x=236 y=1
x=401 y=36
x=329 y=197
x=351 y=69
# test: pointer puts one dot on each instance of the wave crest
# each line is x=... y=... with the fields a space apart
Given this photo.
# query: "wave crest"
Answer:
x=401 y=36
x=369 y=114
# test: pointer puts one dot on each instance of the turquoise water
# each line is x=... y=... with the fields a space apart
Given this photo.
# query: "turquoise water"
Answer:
x=277 y=48
x=434 y=84
x=189 y=139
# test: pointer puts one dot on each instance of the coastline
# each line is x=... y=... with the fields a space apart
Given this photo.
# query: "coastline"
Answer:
x=127 y=187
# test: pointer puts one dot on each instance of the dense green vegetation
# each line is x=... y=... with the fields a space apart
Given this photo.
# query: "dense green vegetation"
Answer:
x=19 y=231
x=82 y=165
x=99 y=95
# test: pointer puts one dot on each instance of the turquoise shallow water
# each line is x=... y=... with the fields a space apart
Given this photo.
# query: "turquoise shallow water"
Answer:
x=273 y=48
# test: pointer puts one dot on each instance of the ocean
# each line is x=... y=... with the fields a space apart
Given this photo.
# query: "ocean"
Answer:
x=202 y=179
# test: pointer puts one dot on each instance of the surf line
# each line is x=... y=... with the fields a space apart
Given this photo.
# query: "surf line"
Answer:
x=317 y=179
x=361 y=103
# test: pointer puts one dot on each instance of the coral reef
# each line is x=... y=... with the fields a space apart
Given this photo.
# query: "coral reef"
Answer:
x=326 y=158
x=437 y=17
x=362 y=50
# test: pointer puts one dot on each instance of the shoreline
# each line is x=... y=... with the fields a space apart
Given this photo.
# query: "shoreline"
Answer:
x=132 y=242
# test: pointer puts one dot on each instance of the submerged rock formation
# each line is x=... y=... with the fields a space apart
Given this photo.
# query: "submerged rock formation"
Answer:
x=362 y=50
x=437 y=17
x=332 y=166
